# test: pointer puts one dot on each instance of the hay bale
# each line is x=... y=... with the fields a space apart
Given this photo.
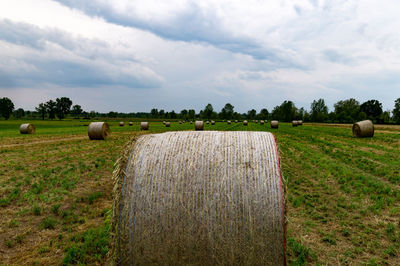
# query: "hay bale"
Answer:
x=199 y=125
x=261 y=122
x=225 y=207
x=245 y=123
x=191 y=122
x=363 y=129
x=236 y=121
x=256 y=121
x=228 y=122
x=27 y=129
x=130 y=124
x=274 y=124
x=299 y=122
x=207 y=122
x=213 y=122
x=164 y=122
x=180 y=122
x=121 y=124
x=144 y=125
x=99 y=131
x=294 y=123
x=167 y=124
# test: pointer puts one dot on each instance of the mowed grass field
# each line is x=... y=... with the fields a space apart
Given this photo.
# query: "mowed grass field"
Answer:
x=342 y=193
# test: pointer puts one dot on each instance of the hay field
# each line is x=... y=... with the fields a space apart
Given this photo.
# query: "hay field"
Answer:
x=342 y=193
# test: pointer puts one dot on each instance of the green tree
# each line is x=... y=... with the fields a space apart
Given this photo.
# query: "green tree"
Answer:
x=208 y=111
x=154 y=113
x=51 y=108
x=251 y=114
x=373 y=109
x=63 y=107
x=285 y=112
x=6 y=107
x=319 y=111
x=19 y=113
x=227 y=111
x=263 y=114
x=172 y=114
x=161 y=113
x=347 y=111
x=396 y=111
x=184 y=114
x=191 y=114
x=76 y=110
x=42 y=110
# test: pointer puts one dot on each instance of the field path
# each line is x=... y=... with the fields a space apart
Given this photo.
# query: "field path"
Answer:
x=54 y=140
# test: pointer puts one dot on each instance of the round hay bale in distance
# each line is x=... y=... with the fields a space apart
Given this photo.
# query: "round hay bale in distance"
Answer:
x=121 y=124
x=199 y=125
x=99 y=131
x=212 y=122
x=363 y=129
x=236 y=121
x=167 y=124
x=144 y=125
x=207 y=122
x=274 y=123
x=27 y=129
x=294 y=123
x=261 y=122
x=299 y=122
x=130 y=124
x=228 y=122
x=245 y=123
x=221 y=208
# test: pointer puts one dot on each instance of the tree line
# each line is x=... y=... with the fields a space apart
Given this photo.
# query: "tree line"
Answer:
x=345 y=111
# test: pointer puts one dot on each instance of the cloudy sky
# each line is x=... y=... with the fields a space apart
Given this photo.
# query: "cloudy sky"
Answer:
x=133 y=55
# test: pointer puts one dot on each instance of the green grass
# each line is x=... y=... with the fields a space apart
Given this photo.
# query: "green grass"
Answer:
x=342 y=193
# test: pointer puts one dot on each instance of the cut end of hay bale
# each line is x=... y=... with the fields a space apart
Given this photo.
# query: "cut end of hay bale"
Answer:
x=295 y=123
x=228 y=122
x=199 y=125
x=363 y=129
x=245 y=122
x=121 y=124
x=27 y=129
x=299 y=122
x=144 y=125
x=98 y=131
x=261 y=122
x=274 y=124
x=213 y=122
x=220 y=208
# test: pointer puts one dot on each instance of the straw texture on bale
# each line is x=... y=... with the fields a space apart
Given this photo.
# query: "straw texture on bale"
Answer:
x=363 y=129
x=245 y=122
x=228 y=122
x=167 y=124
x=130 y=123
x=98 y=130
x=226 y=206
x=207 y=122
x=274 y=123
x=300 y=122
x=199 y=125
x=261 y=122
x=236 y=121
x=294 y=123
x=121 y=124
x=144 y=125
x=27 y=129
x=213 y=122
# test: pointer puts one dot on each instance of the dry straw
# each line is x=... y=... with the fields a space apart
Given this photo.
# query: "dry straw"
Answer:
x=236 y=121
x=167 y=124
x=245 y=122
x=294 y=123
x=98 y=130
x=261 y=122
x=225 y=206
x=130 y=123
x=27 y=129
x=274 y=124
x=228 y=122
x=144 y=125
x=121 y=124
x=363 y=129
x=208 y=122
x=199 y=125
x=300 y=122
x=212 y=122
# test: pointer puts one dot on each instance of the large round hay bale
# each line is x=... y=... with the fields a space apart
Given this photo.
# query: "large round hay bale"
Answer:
x=261 y=122
x=27 y=129
x=144 y=125
x=225 y=207
x=245 y=123
x=363 y=129
x=228 y=122
x=212 y=122
x=98 y=130
x=274 y=123
x=294 y=123
x=199 y=125
x=299 y=122
x=121 y=124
